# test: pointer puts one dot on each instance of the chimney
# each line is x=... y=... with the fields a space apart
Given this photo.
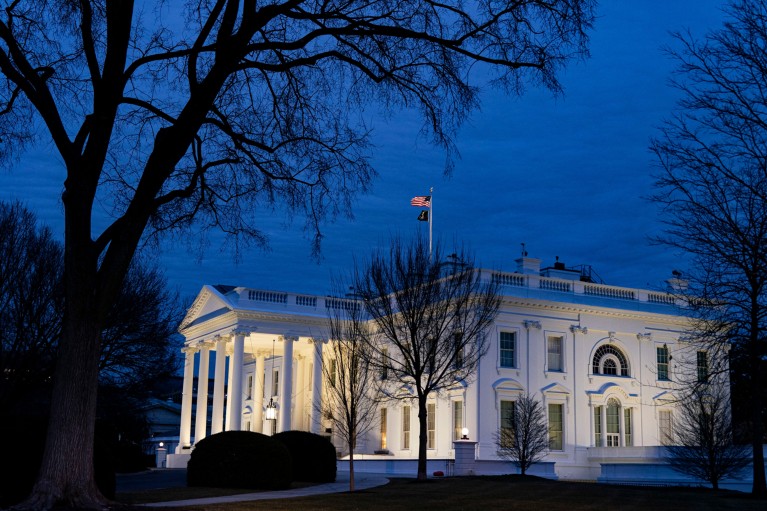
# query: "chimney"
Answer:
x=677 y=284
x=528 y=266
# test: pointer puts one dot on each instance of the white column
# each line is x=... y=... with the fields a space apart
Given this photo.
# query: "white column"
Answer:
x=316 y=424
x=184 y=435
x=201 y=424
x=235 y=382
x=216 y=421
x=298 y=417
x=228 y=409
x=258 y=397
x=286 y=385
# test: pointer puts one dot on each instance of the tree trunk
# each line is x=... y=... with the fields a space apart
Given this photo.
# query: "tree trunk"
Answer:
x=422 y=438
x=758 y=487
x=351 y=467
x=66 y=476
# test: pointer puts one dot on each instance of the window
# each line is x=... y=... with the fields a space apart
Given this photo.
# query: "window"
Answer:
x=702 y=367
x=383 y=429
x=333 y=373
x=458 y=346
x=554 y=347
x=555 y=427
x=384 y=363
x=406 y=427
x=665 y=427
x=613 y=423
x=431 y=424
x=508 y=349
x=662 y=361
x=249 y=389
x=457 y=419
x=276 y=382
x=628 y=439
x=507 y=423
x=598 y=426
x=610 y=360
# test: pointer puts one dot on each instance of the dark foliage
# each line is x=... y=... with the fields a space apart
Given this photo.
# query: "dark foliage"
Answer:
x=23 y=452
x=314 y=457
x=240 y=459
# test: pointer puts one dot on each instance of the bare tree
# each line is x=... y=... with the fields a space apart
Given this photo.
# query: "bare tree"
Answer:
x=428 y=325
x=713 y=187
x=349 y=399
x=524 y=436
x=208 y=115
x=702 y=444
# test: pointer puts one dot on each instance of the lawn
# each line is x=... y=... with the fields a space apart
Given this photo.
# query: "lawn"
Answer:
x=501 y=493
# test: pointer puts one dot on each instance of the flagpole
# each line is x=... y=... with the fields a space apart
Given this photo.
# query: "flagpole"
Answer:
x=431 y=216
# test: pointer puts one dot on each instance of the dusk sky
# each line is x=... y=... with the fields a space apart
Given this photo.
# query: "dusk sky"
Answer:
x=566 y=176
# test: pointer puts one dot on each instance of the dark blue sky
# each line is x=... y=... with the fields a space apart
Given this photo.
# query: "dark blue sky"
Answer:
x=566 y=176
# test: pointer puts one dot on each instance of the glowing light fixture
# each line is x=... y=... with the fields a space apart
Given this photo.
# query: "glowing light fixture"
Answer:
x=465 y=434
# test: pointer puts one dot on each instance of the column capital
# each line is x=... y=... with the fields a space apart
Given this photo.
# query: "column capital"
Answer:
x=528 y=323
x=240 y=331
x=189 y=350
x=317 y=340
x=644 y=336
x=288 y=338
x=206 y=344
x=577 y=329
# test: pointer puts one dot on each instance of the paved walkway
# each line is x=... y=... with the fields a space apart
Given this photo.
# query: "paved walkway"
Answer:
x=169 y=478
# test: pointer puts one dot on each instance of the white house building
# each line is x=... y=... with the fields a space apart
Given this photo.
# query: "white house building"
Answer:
x=600 y=358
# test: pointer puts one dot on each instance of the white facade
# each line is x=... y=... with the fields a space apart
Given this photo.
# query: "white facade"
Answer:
x=595 y=355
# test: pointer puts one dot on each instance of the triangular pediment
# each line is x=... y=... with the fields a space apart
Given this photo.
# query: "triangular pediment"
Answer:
x=555 y=388
x=209 y=303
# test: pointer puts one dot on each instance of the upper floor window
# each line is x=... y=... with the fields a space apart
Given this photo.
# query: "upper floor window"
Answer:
x=662 y=359
x=610 y=360
x=702 y=367
x=508 y=349
x=554 y=349
x=249 y=388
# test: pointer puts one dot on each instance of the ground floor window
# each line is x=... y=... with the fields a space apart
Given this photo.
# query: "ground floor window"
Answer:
x=383 y=429
x=598 y=426
x=506 y=430
x=628 y=437
x=613 y=423
x=431 y=425
x=457 y=419
x=555 y=427
x=406 y=427
x=665 y=427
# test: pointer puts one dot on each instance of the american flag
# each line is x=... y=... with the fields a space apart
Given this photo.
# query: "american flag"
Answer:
x=422 y=201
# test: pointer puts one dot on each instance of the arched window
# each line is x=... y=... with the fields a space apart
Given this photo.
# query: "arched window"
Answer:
x=610 y=360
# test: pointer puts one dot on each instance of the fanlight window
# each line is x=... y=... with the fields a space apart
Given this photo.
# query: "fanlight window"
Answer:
x=610 y=360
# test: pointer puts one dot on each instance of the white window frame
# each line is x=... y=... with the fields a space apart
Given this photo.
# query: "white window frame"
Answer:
x=562 y=358
x=515 y=361
x=431 y=426
x=406 y=426
x=561 y=424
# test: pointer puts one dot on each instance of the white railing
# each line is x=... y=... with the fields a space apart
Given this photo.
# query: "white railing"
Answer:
x=306 y=301
x=267 y=296
x=609 y=291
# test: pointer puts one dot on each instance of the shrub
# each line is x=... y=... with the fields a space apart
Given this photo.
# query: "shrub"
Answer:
x=239 y=459
x=314 y=457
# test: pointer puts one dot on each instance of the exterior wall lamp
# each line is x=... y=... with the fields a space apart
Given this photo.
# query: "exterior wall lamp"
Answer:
x=465 y=434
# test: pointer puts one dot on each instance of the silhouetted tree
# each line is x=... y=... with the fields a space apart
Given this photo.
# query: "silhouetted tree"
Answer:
x=349 y=400
x=524 y=436
x=702 y=444
x=713 y=188
x=209 y=114
x=428 y=326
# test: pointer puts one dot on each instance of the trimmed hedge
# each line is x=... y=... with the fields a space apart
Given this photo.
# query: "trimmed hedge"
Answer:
x=240 y=459
x=314 y=457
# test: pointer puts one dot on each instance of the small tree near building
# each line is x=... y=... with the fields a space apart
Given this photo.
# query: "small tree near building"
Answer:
x=702 y=437
x=523 y=437
x=349 y=400
x=428 y=325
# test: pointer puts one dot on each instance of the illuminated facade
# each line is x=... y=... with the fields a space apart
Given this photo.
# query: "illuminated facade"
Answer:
x=602 y=359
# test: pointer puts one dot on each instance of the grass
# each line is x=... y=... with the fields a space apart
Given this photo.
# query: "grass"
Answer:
x=489 y=492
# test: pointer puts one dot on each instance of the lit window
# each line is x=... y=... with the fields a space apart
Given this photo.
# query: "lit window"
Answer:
x=613 y=423
x=333 y=373
x=406 y=427
x=276 y=382
x=702 y=367
x=628 y=439
x=431 y=424
x=554 y=348
x=507 y=423
x=383 y=429
x=555 y=427
x=508 y=349
x=457 y=419
x=598 y=426
x=662 y=360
